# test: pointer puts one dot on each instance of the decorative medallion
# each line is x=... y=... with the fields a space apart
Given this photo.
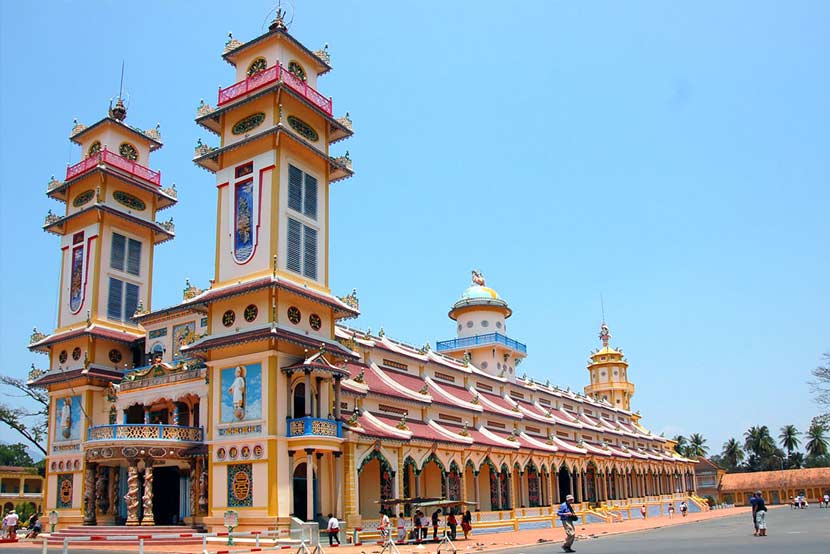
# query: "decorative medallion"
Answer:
x=115 y=356
x=54 y=466
x=245 y=452
x=243 y=243
x=250 y=313
x=128 y=151
x=83 y=198
x=228 y=318
x=257 y=66
x=64 y=491
x=129 y=452
x=294 y=315
x=315 y=322
x=94 y=148
x=76 y=353
x=303 y=128
x=220 y=454
x=76 y=465
x=233 y=453
x=296 y=70
x=258 y=451
x=76 y=277
x=60 y=465
x=157 y=452
x=62 y=356
x=129 y=200
x=240 y=491
x=248 y=123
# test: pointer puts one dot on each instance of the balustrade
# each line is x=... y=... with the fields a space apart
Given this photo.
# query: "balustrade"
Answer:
x=110 y=158
x=272 y=75
x=314 y=426
x=139 y=431
x=487 y=338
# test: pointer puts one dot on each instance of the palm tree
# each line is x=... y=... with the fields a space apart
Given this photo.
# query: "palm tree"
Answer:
x=758 y=441
x=795 y=460
x=733 y=454
x=789 y=439
x=681 y=445
x=816 y=441
x=697 y=446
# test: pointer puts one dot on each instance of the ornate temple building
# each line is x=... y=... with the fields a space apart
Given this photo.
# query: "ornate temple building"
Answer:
x=253 y=394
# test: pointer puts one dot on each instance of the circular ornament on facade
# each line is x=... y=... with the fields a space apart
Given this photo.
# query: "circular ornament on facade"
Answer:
x=241 y=485
x=106 y=452
x=115 y=356
x=294 y=315
x=62 y=356
x=220 y=454
x=228 y=318
x=615 y=372
x=459 y=327
x=469 y=324
x=77 y=465
x=257 y=66
x=315 y=322
x=303 y=128
x=485 y=323
x=60 y=465
x=248 y=123
x=498 y=325
x=127 y=199
x=602 y=373
x=83 y=198
x=296 y=70
x=233 y=453
x=258 y=451
x=484 y=365
x=246 y=452
x=498 y=365
x=250 y=313
x=76 y=353
x=54 y=466
x=157 y=452
x=128 y=151
x=94 y=148
x=129 y=452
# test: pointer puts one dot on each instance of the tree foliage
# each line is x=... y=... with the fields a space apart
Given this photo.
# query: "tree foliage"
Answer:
x=29 y=423
x=15 y=455
x=820 y=384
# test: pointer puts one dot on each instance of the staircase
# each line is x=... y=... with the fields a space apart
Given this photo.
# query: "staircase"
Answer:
x=171 y=534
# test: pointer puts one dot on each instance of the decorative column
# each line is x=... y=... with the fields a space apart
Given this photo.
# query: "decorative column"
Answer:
x=337 y=388
x=571 y=483
x=338 y=484
x=350 y=481
x=307 y=392
x=147 y=516
x=417 y=482
x=115 y=476
x=131 y=498
x=89 y=494
x=317 y=408
x=309 y=476
x=291 y=482
x=102 y=497
x=579 y=487
x=475 y=485
x=553 y=478
x=203 y=486
x=289 y=406
x=521 y=491
x=498 y=491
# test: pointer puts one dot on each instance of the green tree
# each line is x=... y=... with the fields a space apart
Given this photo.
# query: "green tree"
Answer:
x=732 y=454
x=697 y=446
x=816 y=441
x=681 y=445
x=789 y=439
x=795 y=460
x=15 y=455
x=29 y=423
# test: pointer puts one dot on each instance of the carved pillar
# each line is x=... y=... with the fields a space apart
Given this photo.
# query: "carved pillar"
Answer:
x=579 y=487
x=309 y=481
x=337 y=388
x=102 y=497
x=194 y=489
x=289 y=406
x=203 y=486
x=350 y=499
x=338 y=484
x=131 y=498
x=147 y=517
x=571 y=483
x=307 y=392
x=115 y=478
x=523 y=489
x=498 y=491
x=291 y=482
x=417 y=483
x=317 y=407
x=89 y=494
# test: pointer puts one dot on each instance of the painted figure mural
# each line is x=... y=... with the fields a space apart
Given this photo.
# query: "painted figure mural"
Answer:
x=76 y=290
x=241 y=393
x=68 y=418
x=243 y=246
x=182 y=335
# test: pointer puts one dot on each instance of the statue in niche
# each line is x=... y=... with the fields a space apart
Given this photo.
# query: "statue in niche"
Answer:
x=237 y=390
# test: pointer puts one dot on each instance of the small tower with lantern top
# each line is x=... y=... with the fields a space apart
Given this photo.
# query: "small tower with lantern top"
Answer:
x=608 y=370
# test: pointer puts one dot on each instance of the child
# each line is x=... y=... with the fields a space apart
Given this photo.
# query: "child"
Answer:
x=643 y=511
x=671 y=510
x=683 y=508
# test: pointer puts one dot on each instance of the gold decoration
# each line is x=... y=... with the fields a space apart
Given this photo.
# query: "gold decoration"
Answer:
x=190 y=291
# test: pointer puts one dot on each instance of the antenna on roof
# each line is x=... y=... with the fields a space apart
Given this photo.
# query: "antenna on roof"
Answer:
x=121 y=84
x=284 y=17
x=602 y=306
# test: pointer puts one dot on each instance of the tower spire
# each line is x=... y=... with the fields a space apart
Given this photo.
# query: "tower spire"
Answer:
x=119 y=112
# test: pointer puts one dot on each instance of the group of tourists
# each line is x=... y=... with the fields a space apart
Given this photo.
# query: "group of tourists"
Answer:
x=11 y=521
x=421 y=524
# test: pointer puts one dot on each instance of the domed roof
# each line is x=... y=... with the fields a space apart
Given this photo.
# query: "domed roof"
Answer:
x=478 y=294
x=479 y=291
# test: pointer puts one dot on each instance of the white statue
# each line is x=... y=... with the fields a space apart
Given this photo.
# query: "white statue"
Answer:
x=237 y=390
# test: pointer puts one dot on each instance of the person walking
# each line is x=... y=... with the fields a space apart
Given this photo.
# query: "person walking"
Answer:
x=424 y=526
x=416 y=523
x=671 y=510
x=452 y=522
x=753 y=502
x=568 y=517
x=683 y=508
x=333 y=529
x=760 y=514
x=401 y=528
x=467 y=524
x=643 y=511
x=436 y=520
x=383 y=526
x=11 y=524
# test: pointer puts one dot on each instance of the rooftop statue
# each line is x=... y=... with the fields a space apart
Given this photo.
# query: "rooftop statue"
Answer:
x=478 y=278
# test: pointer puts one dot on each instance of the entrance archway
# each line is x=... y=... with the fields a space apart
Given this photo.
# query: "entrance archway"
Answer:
x=301 y=492
x=166 y=496
x=564 y=482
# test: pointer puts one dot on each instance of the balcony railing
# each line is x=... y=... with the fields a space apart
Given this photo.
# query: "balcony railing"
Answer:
x=141 y=431
x=477 y=340
x=272 y=75
x=314 y=426
x=110 y=158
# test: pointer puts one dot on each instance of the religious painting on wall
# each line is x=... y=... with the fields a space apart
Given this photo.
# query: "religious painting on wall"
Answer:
x=64 y=490
x=243 y=241
x=241 y=395
x=240 y=486
x=68 y=418
x=76 y=279
x=183 y=334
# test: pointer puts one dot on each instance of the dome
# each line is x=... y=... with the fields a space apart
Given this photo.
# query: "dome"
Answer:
x=479 y=291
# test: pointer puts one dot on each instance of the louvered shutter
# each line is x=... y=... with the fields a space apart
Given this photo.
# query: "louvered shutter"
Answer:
x=134 y=257
x=310 y=197
x=117 y=254
x=310 y=252
x=294 y=232
x=130 y=300
x=114 y=299
x=295 y=189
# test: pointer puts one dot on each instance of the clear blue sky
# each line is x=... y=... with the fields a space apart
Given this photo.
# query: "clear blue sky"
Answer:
x=670 y=156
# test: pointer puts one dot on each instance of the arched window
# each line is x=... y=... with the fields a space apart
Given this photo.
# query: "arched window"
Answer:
x=299 y=400
x=94 y=148
x=257 y=66
x=296 y=70
x=128 y=151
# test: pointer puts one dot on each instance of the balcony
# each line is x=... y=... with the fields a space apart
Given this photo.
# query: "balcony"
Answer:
x=269 y=76
x=141 y=431
x=114 y=160
x=313 y=426
x=480 y=340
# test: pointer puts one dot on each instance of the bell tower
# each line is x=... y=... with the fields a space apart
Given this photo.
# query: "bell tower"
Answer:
x=608 y=370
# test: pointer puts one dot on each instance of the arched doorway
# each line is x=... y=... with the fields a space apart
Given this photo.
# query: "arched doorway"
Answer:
x=374 y=483
x=591 y=483
x=298 y=404
x=301 y=492
x=563 y=478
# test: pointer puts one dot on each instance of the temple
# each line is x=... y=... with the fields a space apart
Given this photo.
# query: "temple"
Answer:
x=254 y=393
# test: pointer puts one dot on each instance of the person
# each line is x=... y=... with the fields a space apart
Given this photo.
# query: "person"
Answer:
x=453 y=524
x=467 y=524
x=643 y=511
x=683 y=508
x=34 y=526
x=416 y=522
x=826 y=500
x=5 y=525
x=11 y=524
x=760 y=514
x=424 y=526
x=568 y=517
x=436 y=521
x=383 y=526
x=333 y=528
x=753 y=502
x=401 y=528
x=671 y=510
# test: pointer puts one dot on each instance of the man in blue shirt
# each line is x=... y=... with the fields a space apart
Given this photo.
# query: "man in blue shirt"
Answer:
x=568 y=516
x=753 y=502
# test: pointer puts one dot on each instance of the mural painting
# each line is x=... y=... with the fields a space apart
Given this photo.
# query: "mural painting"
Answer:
x=183 y=334
x=241 y=394
x=243 y=244
x=68 y=418
x=76 y=290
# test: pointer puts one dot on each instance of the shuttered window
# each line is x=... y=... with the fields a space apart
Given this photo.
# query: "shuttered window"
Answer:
x=302 y=192
x=114 y=299
x=119 y=243
x=134 y=257
x=130 y=300
x=122 y=300
x=302 y=249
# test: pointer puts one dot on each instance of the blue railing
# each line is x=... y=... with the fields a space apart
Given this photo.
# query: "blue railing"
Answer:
x=145 y=431
x=477 y=340
x=315 y=426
